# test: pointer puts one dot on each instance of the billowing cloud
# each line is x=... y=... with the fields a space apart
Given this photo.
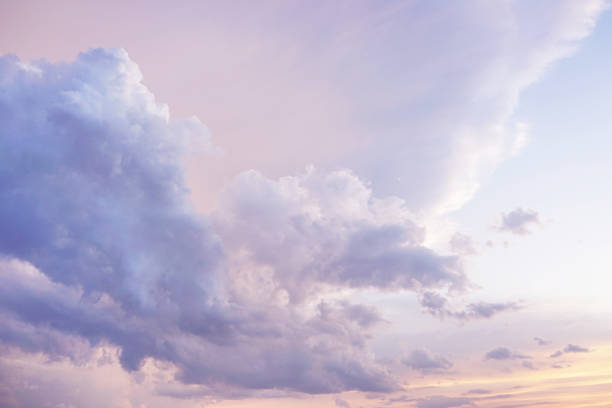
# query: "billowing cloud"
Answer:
x=103 y=247
x=327 y=230
x=519 y=220
x=423 y=361
x=504 y=353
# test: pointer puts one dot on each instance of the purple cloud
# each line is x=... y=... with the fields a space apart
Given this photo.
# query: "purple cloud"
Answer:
x=462 y=244
x=423 y=361
x=519 y=220
x=438 y=305
x=570 y=348
x=440 y=401
x=504 y=353
x=102 y=244
x=573 y=348
x=541 y=342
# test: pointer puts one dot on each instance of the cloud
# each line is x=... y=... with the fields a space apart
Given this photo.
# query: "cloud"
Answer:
x=529 y=365
x=519 y=220
x=423 y=361
x=479 y=391
x=103 y=247
x=438 y=305
x=570 y=348
x=504 y=353
x=320 y=230
x=462 y=244
x=342 y=403
x=541 y=342
x=439 y=401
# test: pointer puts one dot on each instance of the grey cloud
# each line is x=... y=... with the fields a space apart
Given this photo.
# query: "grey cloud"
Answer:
x=423 y=361
x=556 y=354
x=504 y=353
x=519 y=220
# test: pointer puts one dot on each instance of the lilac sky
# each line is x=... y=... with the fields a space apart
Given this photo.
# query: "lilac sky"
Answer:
x=305 y=204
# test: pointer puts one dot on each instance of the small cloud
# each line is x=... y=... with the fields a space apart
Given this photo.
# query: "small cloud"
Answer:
x=342 y=403
x=572 y=348
x=462 y=244
x=504 y=353
x=529 y=365
x=479 y=391
x=541 y=341
x=440 y=401
x=438 y=305
x=426 y=363
x=518 y=221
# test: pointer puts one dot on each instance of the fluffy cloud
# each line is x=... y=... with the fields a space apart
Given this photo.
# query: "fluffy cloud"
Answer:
x=519 y=220
x=426 y=363
x=102 y=246
x=327 y=230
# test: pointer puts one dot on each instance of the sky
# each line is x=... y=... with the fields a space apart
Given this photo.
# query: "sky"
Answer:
x=348 y=204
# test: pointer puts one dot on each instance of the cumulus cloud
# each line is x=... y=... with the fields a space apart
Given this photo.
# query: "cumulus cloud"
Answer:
x=504 y=353
x=519 y=220
x=325 y=230
x=102 y=245
x=426 y=363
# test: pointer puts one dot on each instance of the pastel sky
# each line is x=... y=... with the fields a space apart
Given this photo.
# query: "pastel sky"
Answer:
x=371 y=204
